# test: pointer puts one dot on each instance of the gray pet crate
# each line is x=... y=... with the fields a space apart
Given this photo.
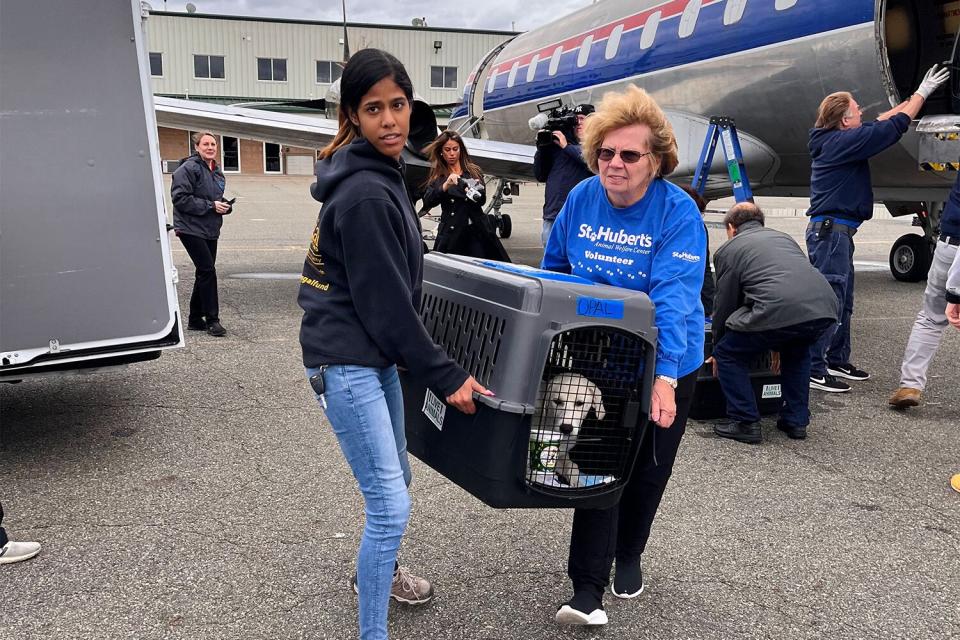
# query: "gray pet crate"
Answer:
x=571 y=363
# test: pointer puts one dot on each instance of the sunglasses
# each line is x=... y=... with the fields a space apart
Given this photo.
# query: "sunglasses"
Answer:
x=628 y=156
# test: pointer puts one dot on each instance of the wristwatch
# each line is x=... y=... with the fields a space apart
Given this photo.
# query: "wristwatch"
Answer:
x=670 y=381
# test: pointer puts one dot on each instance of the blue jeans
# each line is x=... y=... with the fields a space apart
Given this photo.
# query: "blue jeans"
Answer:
x=735 y=350
x=365 y=409
x=832 y=255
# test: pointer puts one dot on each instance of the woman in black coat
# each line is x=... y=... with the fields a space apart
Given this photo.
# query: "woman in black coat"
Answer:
x=456 y=184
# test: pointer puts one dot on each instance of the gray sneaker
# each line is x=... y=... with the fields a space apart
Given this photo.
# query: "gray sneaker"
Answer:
x=18 y=551
x=406 y=587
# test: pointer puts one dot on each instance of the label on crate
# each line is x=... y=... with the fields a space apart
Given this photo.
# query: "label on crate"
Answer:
x=770 y=391
x=435 y=409
x=599 y=308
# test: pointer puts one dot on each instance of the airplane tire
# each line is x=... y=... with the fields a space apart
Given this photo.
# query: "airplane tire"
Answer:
x=910 y=258
x=506 y=226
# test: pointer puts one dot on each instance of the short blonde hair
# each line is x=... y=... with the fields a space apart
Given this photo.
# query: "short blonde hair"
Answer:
x=832 y=110
x=632 y=106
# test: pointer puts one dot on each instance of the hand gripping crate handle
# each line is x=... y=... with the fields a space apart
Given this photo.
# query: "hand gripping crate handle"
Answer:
x=504 y=405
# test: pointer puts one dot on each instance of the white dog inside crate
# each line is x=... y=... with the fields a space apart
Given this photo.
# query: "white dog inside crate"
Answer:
x=563 y=403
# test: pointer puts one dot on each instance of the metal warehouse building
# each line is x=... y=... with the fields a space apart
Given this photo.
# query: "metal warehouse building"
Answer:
x=232 y=59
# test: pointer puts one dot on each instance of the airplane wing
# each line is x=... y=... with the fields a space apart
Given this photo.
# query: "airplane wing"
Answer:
x=502 y=159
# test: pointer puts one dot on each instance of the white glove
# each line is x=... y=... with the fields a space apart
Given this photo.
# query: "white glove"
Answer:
x=933 y=79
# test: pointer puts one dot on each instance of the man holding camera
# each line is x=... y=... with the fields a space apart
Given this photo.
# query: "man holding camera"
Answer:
x=559 y=162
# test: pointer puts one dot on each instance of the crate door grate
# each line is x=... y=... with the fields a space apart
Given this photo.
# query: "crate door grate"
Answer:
x=584 y=433
x=469 y=336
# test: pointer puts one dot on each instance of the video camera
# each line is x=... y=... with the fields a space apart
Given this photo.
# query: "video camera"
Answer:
x=562 y=119
x=474 y=189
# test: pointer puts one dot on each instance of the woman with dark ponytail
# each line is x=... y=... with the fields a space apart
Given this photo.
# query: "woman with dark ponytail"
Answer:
x=360 y=292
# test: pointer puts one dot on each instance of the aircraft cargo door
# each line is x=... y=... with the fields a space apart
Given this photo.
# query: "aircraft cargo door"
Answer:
x=85 y=268
x=916 y=35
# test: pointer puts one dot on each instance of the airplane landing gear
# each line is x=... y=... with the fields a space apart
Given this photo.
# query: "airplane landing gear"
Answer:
x=502 y=191
x=910 y=258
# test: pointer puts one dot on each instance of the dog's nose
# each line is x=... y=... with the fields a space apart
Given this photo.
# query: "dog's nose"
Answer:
x=566 y=429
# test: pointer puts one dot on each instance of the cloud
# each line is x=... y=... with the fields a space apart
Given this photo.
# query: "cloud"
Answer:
x=500 y=15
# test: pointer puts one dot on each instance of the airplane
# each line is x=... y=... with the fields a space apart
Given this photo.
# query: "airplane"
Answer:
x=764 y=63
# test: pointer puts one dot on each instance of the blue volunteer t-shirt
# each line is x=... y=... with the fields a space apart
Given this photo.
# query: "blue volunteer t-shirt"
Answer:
x=657 y=246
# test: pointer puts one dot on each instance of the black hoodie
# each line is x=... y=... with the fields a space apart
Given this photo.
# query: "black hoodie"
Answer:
x=361 y=283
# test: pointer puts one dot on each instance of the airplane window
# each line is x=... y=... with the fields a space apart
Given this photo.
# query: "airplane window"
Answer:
x=784 y=4
x=688 y=19
x=555 y=60
x=649 y=30
x=613 y=42
x=733 y=11
x=584 y=54
x=512 y=76
x=492 y=81
x=532 y=69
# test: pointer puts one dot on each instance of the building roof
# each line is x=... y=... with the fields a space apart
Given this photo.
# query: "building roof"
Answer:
x=400 y=27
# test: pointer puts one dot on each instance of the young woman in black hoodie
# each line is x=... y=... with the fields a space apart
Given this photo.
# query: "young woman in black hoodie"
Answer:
x=360 y=293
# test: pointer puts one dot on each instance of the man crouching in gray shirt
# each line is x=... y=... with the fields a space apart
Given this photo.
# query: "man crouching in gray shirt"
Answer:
x=768 y=298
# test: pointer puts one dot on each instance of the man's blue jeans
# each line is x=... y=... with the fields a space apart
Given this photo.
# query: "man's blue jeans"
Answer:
x=734 y=352
x=365 y=409
x=832 y=255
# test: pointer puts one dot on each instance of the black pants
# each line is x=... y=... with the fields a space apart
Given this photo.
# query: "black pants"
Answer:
x=623 y=529
x=3 y=534
x=203 y=302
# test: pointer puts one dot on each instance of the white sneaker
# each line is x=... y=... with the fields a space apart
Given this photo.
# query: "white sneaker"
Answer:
x=17 y=551
x=568 y=615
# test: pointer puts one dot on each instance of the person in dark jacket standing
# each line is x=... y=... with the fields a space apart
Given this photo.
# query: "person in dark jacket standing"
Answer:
x=931 y=320
x=360 y=293
x=561 y=165
x=841 y=199
x=198 y=210
x=769 y=297
x=456 y=184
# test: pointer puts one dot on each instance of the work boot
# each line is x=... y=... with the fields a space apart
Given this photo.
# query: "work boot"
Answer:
x=955 y=482
x=406 y=587
x=905 y=397
x=748 y=432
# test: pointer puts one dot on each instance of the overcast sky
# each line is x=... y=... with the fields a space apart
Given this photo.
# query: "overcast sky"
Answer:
x=501 y=15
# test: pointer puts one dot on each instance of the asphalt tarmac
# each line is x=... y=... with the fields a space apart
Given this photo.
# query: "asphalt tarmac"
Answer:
x=203 y=495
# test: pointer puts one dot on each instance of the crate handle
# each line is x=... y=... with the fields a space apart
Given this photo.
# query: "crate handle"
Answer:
x=504 y=405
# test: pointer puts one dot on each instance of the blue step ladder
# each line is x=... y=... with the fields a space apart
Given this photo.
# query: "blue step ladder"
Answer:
x=723 y=129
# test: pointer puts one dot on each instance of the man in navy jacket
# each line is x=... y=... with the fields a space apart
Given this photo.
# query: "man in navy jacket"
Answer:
x=841 y=199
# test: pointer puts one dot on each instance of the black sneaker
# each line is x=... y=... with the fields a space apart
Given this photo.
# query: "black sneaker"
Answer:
x=628 y=581
x=829 y=384
x=197 y=325
x=582 y=609
x=748 y=432
x=794 y=433
x=847 y=371
x=216 y=329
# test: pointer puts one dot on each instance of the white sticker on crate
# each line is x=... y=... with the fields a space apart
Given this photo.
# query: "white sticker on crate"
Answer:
x=435 y=409
x=770 y=391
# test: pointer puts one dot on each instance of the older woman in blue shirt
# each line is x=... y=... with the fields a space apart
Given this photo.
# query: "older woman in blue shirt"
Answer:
x=630 y=228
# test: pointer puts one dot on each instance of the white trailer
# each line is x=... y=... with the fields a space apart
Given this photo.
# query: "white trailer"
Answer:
x=86 y=276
